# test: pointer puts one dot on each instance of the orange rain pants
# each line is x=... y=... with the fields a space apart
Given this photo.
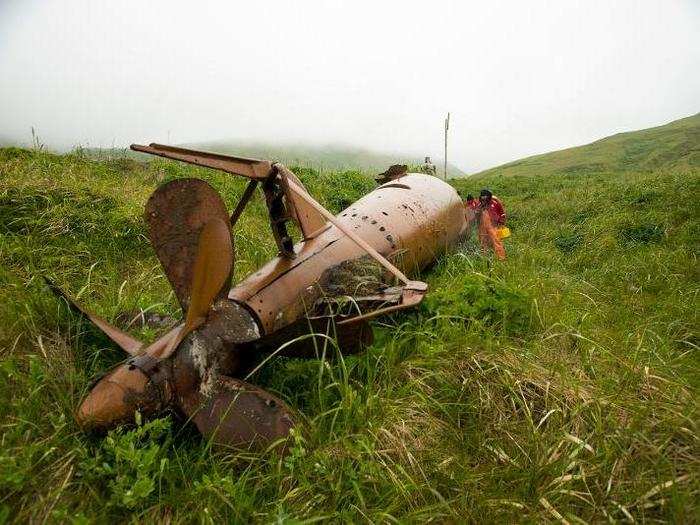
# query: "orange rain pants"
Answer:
x=470 y=216
x=488 y=236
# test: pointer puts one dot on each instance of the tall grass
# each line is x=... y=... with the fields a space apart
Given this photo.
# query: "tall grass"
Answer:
x=560 y=385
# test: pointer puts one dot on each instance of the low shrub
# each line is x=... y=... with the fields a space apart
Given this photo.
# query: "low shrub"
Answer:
x=644 y=233
x=567 y=242
x=488 y=301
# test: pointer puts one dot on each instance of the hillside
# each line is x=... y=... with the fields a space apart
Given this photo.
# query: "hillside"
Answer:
x=676 y=144
x=561 y=385
x=329 y=157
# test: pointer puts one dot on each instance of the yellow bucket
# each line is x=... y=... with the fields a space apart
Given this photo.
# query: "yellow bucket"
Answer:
x=503 y=232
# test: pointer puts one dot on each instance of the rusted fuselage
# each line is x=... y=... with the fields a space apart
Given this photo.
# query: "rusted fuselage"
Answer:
x=411 y=221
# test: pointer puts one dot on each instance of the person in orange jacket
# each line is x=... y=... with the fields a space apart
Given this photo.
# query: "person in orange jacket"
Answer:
x=471 y=205
x=490 y=214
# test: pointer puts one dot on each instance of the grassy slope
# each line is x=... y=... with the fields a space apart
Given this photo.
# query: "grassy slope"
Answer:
x=561 y=382
x=676 y=144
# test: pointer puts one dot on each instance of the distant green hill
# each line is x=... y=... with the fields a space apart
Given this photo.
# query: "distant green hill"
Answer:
x=328 y=158
x=676 y=144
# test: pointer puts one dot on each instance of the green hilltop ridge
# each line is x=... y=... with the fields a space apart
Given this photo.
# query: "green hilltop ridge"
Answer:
x=676 y=144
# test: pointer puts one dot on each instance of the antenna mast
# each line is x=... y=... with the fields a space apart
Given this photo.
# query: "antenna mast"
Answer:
x=447 y=126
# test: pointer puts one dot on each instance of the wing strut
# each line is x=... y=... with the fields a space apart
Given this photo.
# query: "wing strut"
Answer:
x=347 y=231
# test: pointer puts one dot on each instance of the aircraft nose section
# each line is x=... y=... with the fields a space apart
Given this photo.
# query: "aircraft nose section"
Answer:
x=115 y=398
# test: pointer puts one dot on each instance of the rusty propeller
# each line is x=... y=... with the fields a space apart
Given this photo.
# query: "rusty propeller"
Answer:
x=189 y=230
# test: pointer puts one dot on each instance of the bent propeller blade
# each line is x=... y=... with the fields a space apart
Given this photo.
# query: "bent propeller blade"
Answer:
x=129 y=344
x=211 y=278
x=212 y=269
x=238 y=414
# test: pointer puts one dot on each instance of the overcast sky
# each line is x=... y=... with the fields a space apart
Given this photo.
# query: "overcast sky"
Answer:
x=519 y=77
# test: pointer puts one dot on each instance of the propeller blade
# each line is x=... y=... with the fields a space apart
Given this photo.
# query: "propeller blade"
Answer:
x=212 y=270
x=129 y=344
x=239 y=414
x=159 y=346
x=176 y=213
x=211 y=279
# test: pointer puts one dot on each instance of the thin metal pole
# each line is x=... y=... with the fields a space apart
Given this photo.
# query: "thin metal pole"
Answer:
x=447 y=126
x=247 y=194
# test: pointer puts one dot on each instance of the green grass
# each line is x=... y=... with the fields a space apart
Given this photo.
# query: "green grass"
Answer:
x=560 y=384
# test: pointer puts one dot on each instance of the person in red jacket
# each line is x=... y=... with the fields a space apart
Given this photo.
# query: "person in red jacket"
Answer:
x=494 y=207
x=471 y=203
x=491 y=214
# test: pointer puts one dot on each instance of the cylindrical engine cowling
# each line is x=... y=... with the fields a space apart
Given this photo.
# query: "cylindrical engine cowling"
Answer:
x=417 y=218
x=411 y=221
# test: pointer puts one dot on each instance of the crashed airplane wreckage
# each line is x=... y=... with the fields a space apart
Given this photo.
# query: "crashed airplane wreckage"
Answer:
x=336 y=278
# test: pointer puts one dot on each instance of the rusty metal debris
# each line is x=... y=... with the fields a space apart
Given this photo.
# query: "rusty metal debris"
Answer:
x=345 y=270
x=394 y=172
